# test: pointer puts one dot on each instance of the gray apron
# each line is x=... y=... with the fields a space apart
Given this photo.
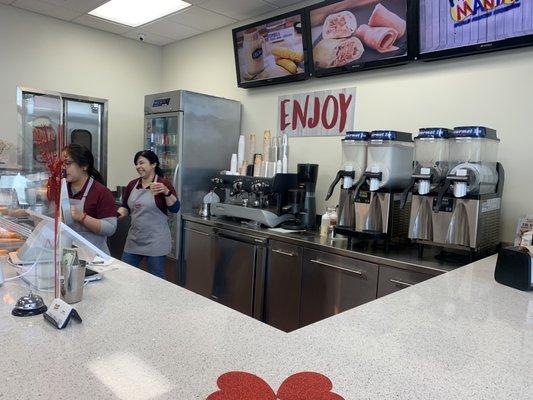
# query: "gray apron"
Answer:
x=149 y=234
x=98 y=240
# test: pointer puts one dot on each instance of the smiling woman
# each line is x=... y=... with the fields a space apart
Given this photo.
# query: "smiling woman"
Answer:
x=92 y=205
x=148 y=200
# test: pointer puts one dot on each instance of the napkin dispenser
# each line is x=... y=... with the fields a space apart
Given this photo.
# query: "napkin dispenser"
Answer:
x=514 y=267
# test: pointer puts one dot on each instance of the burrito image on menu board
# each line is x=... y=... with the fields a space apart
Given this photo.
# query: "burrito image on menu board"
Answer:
x=381 y=39
x=381 y=17
x=337 y=52
x=319 y=16
x=339 y=25
x=380 y=27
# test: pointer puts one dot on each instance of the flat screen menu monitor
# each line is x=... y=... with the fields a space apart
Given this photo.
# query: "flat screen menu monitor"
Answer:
x=271 y=51
x=460 y=27
x=352 y=35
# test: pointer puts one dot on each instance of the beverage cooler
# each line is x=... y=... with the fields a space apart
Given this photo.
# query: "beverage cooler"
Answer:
x=194 y=136
x=67 y=119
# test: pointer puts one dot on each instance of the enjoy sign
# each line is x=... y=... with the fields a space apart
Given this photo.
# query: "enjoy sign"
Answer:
x=325 y=113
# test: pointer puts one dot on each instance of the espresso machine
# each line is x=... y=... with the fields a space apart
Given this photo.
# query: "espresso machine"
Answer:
x=431 y=163
x=302 y=201
x=388 y=173
x=264 y=200
x=353 y=166
x=466 y=212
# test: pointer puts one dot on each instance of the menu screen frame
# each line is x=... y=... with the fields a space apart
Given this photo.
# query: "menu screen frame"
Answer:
x=301 y=73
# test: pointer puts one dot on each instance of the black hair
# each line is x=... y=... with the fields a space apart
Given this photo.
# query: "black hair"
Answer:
x=150 y=156
x=82 y=156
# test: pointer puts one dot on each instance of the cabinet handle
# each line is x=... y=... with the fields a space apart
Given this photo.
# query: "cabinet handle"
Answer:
x=400 y=283
x=359 y=273
x=195 y=231
x=283 y=253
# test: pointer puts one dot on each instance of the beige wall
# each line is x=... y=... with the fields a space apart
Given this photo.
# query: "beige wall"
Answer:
x=50 y=54
x=493 y=90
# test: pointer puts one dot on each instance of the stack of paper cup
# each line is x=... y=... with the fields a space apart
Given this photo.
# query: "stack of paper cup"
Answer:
x=233 y=164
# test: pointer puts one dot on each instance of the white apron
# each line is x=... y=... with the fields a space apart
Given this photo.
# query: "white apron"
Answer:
x=99 y=241
x=149 y=234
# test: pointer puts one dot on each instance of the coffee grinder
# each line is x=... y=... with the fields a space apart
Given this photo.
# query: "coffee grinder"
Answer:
x=302 y=201
x=353 y=165
x=388 y=173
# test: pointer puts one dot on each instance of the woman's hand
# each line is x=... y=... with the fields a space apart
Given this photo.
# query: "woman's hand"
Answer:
x=77 y=215
x=122 y=212
x=158 y=188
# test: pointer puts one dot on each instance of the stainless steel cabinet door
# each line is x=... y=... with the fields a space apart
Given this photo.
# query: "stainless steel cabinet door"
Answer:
x=393 y=279
x=332 y=284
x=234 y=276
x=283 y=284
x=198 y=265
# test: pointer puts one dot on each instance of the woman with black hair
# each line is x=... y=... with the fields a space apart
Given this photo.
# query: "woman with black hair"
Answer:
x=148 y=200
x=92 y=205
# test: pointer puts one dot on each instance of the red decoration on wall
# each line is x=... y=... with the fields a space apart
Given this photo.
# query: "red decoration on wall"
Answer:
x=238 y=385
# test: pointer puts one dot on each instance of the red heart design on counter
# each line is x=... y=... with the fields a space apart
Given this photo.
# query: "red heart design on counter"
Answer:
x=307 y=386
x=242 y=386
x=238 y=385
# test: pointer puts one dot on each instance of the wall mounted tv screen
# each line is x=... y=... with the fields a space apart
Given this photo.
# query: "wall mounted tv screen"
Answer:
x=352 y=35
x=271 y=51
x=459 y=27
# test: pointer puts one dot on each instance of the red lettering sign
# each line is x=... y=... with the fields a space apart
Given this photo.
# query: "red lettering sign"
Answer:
x=326 y=113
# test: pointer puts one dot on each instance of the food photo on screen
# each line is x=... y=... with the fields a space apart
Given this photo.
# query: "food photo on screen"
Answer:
x=271 y=50
x=350 y=32
x=454 y=24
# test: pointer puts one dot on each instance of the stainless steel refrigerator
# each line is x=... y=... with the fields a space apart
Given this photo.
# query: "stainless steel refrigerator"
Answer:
x=194 y=136
x=84 y=121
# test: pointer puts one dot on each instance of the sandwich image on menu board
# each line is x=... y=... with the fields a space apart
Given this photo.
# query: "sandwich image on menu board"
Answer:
x=270 y=50
x=352 y=32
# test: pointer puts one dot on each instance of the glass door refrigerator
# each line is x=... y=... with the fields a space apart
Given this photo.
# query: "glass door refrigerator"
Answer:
x=83 y=120
x=194 y=136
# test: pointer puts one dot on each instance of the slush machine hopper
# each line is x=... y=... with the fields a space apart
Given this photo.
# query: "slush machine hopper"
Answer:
x=388 y=173
x=467 y=210
x=354 y=147
x=431 y=163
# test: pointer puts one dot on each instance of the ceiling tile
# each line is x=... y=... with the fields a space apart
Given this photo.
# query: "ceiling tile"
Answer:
x=238 y=9
x=282 y=3
x=97 y=23
x=169 y=29
x=151 y=38
x=42 y=7
x=83 y=6
x=198 y=18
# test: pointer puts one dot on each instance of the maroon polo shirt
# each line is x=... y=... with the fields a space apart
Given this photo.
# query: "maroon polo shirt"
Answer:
x=159 y=199
x=99 y=202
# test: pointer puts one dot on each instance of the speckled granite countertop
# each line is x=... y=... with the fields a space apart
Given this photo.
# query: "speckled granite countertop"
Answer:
x=459 y=335
x=405 y=257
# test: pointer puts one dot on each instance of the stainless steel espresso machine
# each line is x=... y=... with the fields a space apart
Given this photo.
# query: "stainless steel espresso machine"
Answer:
x=431 y=166
x=353 y=166
x=388 y=173
x=265 y=200
x=466 y=212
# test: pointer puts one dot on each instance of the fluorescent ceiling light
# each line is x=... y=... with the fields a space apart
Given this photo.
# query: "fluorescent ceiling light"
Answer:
x=137 y=12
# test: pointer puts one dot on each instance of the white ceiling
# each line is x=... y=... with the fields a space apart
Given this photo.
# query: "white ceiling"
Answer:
x=202 y=16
